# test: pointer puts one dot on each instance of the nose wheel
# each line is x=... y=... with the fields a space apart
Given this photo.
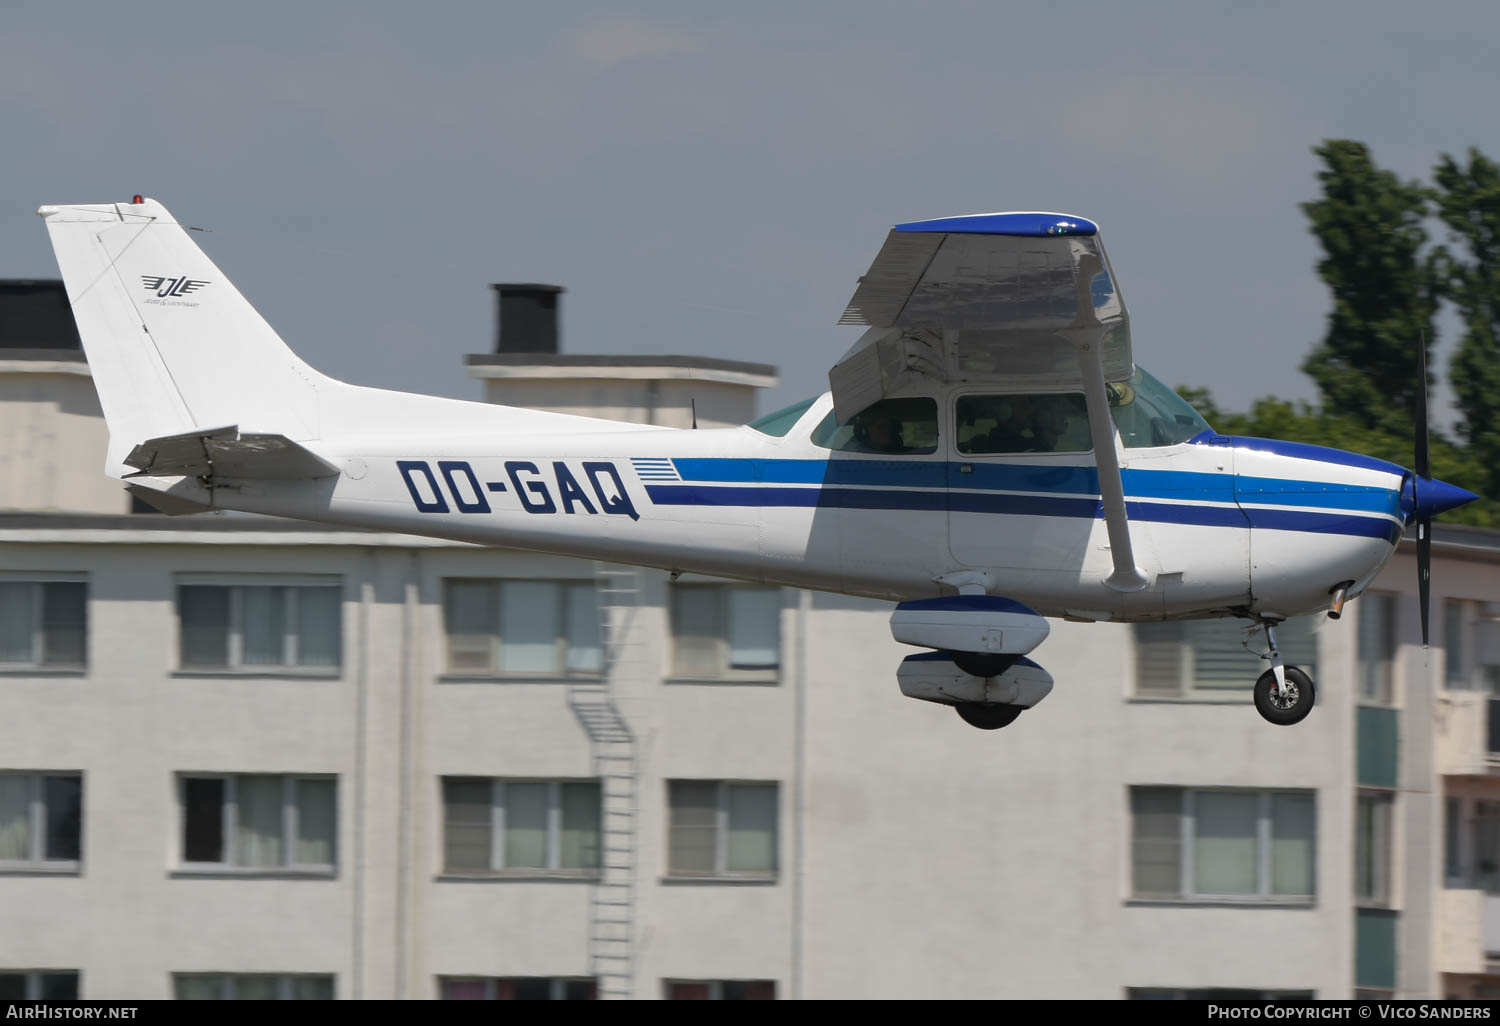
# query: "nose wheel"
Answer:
x=1283 y=694
x=1289 y=706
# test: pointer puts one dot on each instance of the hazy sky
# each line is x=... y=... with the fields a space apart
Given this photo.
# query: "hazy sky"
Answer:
x=710 y=179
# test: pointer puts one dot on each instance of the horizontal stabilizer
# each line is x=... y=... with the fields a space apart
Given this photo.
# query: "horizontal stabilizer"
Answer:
x=166 y=502
x=225 y=453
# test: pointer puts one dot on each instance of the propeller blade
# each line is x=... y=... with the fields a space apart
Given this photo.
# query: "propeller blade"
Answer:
x=1424 y=571
x=1423 y=468
x=1423 y=465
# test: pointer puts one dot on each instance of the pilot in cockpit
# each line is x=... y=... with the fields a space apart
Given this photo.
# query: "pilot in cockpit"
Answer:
x=879 y=432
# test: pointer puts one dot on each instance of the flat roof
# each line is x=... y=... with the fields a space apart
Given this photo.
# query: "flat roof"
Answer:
x=572 y=365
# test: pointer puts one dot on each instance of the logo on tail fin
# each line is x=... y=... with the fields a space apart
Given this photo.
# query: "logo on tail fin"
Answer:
x=167 y=288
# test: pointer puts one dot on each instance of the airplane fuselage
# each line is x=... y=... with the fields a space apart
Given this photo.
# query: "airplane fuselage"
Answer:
x=1220 y=524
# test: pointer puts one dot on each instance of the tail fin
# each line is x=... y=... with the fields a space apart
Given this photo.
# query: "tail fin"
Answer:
x=171 y=343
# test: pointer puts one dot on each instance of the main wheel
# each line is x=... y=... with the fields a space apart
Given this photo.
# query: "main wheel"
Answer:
x=988 y=715
x=984 y=664
x=1295 y=706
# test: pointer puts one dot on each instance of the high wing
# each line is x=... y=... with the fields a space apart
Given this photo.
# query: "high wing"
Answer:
x=1009 y=298
x=983 y=298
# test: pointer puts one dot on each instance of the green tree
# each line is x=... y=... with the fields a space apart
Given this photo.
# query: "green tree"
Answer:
x=1468 y=201
x=1369 y=224
x=1385 y=291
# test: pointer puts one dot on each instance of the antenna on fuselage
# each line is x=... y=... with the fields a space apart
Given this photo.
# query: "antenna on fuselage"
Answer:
x=693 y=402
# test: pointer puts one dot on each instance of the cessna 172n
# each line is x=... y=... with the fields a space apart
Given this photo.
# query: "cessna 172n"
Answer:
x=989 y=455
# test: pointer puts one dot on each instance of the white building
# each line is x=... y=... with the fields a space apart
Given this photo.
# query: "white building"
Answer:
x=246 y=757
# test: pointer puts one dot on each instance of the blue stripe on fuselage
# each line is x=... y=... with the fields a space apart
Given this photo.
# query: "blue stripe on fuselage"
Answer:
x=1021 y=505
x=1051 y=480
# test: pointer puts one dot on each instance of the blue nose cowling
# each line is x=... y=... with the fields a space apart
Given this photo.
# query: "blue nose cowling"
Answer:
x=1433 y=497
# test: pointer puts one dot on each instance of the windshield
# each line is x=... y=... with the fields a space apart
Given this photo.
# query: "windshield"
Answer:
x=782 y=421
x=1150 y=414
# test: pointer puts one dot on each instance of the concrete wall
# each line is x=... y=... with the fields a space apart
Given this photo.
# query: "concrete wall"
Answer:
x=53 y=440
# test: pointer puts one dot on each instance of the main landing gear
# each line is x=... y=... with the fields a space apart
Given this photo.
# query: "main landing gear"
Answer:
x=1283 y=694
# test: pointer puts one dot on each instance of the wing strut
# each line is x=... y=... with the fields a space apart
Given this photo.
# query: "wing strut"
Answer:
x=1127 y=576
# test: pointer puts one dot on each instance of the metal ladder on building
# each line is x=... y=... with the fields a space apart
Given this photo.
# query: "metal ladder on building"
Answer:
x=613 y=748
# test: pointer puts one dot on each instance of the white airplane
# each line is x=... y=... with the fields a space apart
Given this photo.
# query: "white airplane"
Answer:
x=989 y=455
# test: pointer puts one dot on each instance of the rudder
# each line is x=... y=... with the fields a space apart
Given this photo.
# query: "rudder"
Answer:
x=171 y=343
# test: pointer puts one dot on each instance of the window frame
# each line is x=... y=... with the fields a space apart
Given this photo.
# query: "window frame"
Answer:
x=497 y=837
x=1473 y=674
x=715 y=987
x=1188 y=689
x=1383 y=862
x=829 y=418
x=557 y=985
x=32 y=984
x=36 y=860
x=1464 y=869
x=721 y=871
x=284 y=983
x=1067 y=456
x=1187 y=875
x=229 y=821
x=235 y=666
x=38 y=665
x=1386 y=692
x=727 y=674
x=496 y=635
x=1215 y=994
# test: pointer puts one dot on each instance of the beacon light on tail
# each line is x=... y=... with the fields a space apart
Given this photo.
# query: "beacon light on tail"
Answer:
x=989 y=454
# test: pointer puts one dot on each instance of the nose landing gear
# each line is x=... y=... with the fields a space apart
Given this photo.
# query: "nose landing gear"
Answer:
x=1283 y=694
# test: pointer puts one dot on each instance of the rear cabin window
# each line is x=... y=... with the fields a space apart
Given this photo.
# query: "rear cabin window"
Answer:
x=783 y=420
x=896 y=427
x=1022 y=422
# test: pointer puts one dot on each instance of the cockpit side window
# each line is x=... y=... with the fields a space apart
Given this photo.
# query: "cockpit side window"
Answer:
x=1045 y=422
x=897 y=427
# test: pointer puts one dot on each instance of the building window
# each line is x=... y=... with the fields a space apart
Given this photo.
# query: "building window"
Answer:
x=41 y=821
x=1216 y=994
x=259 y=821
x=1377 y=646
x=39 y=985
x=43 y=625
x=1204 y=658
x=260 y=627
x=1222 y=844
x=721 y=829
x=526 y=628
x=1372 y=847
x=1472 y=843
x=719 y=990
x=726 y=632
x=516 y=988
x=520 y=826
x=1471 y=645
x=252 y=987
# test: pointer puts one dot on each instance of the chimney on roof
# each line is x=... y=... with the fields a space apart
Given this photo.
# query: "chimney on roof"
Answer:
x=526 y=318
